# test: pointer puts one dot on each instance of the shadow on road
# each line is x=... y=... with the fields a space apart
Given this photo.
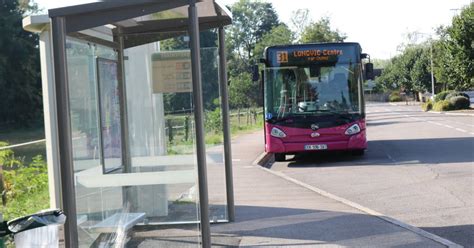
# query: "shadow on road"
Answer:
x=463 y=234
x=282 y=226
x=295 y=227
x=395 y=152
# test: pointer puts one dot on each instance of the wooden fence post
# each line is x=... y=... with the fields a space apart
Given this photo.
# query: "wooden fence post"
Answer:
x=186 y=128
x=238 y=116
x=170 y=130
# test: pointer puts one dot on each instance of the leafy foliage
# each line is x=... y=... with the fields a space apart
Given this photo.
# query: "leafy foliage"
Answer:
x=443 y=105
x=453 y=59
x=456 y=93
x=214 y=121
x=251 y=21
x=409 y=71
x=460 y=47
x=243 y=92
x=321 y=31
x=442 y=95
x=427 y=106
x=459 y=102
x=26 y=186
x=20 y=97
x=395 y=97
x=279 y=35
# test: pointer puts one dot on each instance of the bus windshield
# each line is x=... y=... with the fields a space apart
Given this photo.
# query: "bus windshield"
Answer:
x=312 y=90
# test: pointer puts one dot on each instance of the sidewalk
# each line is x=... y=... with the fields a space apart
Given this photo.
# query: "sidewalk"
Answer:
x=272 y=211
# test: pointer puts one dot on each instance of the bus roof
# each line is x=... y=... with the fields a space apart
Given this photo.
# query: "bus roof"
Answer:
x=318 y=44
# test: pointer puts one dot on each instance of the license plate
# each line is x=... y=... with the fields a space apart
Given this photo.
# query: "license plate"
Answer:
x=316 y=147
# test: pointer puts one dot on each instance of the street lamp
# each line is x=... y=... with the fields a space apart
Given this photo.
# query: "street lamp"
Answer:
x=431 y=60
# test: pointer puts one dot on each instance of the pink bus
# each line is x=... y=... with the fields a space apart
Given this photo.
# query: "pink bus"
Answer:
x=313 y=98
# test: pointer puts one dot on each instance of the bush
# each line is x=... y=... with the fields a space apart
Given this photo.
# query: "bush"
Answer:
x=427 y=106
x=442 y=95
x=395 y=97
x=26 y=186
x=459 y=102
x=455 y=94
x=442 y=105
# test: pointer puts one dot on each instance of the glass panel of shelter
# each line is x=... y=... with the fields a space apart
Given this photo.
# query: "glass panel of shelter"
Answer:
x=116 y=197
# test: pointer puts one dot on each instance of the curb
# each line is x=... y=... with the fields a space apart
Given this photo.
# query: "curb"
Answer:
x=264 y=160
x=264 y=165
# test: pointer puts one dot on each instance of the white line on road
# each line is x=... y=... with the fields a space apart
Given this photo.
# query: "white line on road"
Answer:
x=448 y=126
x=461 y=130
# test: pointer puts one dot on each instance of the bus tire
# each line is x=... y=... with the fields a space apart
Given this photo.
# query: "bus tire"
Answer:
x=359 y=152
x=280 y=157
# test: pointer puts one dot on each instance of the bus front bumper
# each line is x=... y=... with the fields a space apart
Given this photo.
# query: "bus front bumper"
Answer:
x=355 y=142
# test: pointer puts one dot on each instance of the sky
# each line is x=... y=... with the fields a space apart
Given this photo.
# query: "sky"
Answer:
x=378 y=25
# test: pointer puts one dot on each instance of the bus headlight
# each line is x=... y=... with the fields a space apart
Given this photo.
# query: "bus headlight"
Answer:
x=276 y=132
x=354 y=129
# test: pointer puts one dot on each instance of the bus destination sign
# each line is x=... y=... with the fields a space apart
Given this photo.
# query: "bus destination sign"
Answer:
x=309 y=55
x=283 y=56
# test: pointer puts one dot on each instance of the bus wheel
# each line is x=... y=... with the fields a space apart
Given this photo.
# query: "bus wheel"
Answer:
x=280 y=157
x=358 y=152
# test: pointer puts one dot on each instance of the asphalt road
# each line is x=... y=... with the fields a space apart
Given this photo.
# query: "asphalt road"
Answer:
x=419 y=169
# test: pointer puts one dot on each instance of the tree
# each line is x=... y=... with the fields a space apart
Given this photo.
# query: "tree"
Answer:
x=20 y=79
x=279 y=35
x=243 y=92
x=300 y=19
x=251 y=21
x=410 y=70
x=321 y=31
x=460 y=47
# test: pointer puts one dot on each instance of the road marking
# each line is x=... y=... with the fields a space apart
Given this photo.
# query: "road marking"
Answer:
x=435 y=123
x=461 y=123
x=236 y=160
x=431 y=122
x=369 y=211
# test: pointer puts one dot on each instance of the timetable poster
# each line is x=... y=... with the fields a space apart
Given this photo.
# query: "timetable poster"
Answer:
x=109 y=99
x=171 y=72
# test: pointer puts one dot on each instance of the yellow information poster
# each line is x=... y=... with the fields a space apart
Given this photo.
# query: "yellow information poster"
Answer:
x=172 y=72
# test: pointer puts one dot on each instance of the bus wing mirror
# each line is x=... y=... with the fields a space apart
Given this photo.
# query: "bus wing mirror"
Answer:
x=369 y=71
x=255 y=73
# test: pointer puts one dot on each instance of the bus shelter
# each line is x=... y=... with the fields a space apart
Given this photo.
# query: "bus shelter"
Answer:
x=130 y=100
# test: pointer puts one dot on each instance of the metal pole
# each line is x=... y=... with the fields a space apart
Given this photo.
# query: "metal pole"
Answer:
x=199 y=120
x=432 y=77
x=58 y=28
x=126 y=157
x=226 y=128
x=129 y=198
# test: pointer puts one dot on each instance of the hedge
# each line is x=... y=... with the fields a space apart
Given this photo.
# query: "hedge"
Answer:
x=442 y=105
x=459 y=102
